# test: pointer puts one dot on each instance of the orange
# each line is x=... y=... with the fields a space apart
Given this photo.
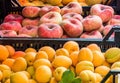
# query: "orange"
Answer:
x=10 y=49
x=94 y=47
x=18 y=54
x=49 y=50
x=85 y=54
x=4 y=53
x=41 y=54
x=74 y=57
x=9 y=62
x=71 y=46
x=30 y=50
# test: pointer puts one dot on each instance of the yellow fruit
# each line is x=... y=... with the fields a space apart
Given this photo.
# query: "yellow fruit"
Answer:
x=38 y=3
x=19 y=64
x=10 y=49
x=49 y=50
x=40 y=62
x=93 y=2
x=102 y=70
x=27 y=74
x=60 y=4
x=105 y=63
x=30 y=50
x=4 y=53
x=72 y=68
x=28 y=4
x=71 y=46
x=53 y=80
x=74 y=57
x=115 y=65
x=54 y=2
x=94 y=47
x=6 y=74
x=98 y=58
x=7 y=81
x=32 y=81
x=9 y=62
x=41 y=54
x=62 y=61
x=87 y=76
x=112 y=54
x=81 y=0
x=83 y=4
x=85 y=54
x=59 y=72
x=30 y=57
x=44 y=1
x=98 y=78
x=43 y=74
x=18 y=77
x=1 y=75
x=84 y=65
x=65 y=2
x=62 y=51
x=110 y=80
x=30 y=70
x=4 y=67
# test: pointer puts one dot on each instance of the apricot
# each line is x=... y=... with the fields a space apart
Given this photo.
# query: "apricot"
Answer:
x=11 y=50
x=41 y=54
x=40 y=62
x=19 y=64
x=4 y=53
x=102 y=70
x=62 y=51
x=88 y=76
x=94 y=47
x=1 y=75
x=18 y=77
x=74 y=57
x=30 y=50
x=62 y=61
x=85 y=54
x=49 y=50
x=112 y=54
x=18 y=54
x=43 y=74
x=98 y=58
x=71 y=46
x=9 y=62
x=84 y=65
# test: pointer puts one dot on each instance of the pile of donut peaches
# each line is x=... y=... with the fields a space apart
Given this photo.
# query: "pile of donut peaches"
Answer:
x=56 y=22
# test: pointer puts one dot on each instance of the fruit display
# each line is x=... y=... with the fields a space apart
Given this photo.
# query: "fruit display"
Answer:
x=61 y=2
x=60 y=22
x=50 y=65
